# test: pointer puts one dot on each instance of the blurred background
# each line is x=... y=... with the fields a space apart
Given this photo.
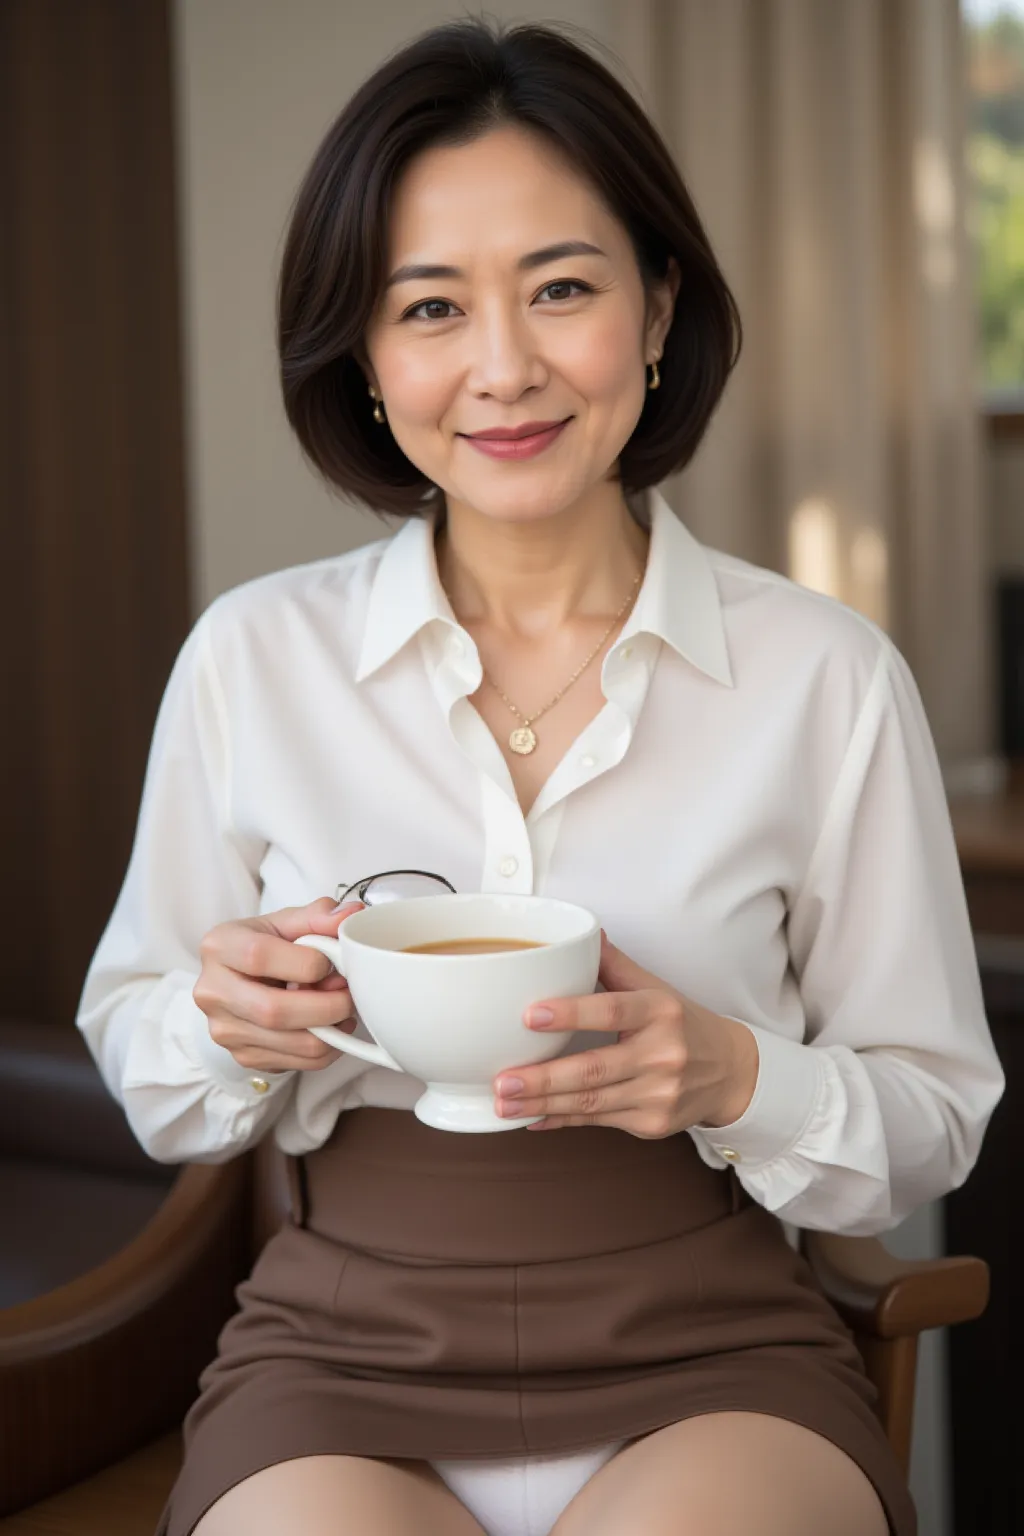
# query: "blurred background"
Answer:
x=859 y=165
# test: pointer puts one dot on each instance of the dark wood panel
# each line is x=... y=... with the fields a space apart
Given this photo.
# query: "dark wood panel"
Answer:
x=93 y=481
x=986 y=1217
x=1005 y=424
x=995 y=900
x=986 y=1358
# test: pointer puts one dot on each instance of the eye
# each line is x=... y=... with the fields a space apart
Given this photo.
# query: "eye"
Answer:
x=567 y=282
x=414 y=313
x=427 y=304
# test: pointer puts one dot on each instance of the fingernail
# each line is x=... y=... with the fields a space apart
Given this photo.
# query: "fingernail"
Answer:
x=538 y=1016
x=508 y=1087
x=341 y=907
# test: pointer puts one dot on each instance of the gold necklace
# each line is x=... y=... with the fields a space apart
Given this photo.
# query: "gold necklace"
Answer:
x=523 y=739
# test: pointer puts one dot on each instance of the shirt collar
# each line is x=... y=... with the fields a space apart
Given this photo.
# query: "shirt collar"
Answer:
x=678 y=599
x=406 y=594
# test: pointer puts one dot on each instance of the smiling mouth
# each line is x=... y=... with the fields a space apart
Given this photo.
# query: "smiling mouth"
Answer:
x=527 y=446
x=515 y=434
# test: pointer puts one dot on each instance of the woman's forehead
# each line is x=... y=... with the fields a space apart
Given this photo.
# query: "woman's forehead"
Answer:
x=455 y=201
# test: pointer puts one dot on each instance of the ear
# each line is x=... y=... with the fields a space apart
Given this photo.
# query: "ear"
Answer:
x=661 y=306
x=360 y=356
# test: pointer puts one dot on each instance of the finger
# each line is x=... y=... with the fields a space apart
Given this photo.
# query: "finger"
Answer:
x=330 y=983
x=255 y=1060
x=326 y=918
x=270 y=1008
x=569 y=1074
x=609 y=1011
x=259 y=1049
x=256 y=949
x=588 y=1104
x=258 y=953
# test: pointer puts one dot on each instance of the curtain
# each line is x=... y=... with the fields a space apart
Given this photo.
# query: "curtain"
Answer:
x=823 y=142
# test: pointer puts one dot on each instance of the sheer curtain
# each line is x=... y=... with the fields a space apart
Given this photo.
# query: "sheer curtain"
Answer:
x=822 y=140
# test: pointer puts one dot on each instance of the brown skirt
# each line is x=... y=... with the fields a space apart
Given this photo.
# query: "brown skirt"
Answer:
x=441 y=1296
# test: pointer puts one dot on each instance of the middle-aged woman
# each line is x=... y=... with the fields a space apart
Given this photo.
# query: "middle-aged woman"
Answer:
x=500 y=318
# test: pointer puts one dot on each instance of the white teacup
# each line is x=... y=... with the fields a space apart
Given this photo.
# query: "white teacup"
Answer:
x=456 y=1021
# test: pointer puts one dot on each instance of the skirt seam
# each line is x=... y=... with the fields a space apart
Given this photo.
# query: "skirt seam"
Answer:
x=518 y=1349
x=341 y=1275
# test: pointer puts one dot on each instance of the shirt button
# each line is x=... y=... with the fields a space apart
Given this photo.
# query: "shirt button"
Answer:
x=508 y=867
x=626 y=653
x=260 y=1084
x=729 y=1155
x=455 y=645
x=587 y=761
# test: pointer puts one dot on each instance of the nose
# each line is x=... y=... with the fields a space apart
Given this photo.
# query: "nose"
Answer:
x=505 y=360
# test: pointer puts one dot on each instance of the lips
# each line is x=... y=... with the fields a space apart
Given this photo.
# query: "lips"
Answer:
x=523 y=445
x=514 y=434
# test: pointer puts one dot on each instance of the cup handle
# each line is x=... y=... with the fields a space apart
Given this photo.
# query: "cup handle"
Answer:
x=337 y=1037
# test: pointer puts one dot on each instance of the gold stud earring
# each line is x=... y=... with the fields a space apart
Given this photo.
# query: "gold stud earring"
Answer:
x=655 y=379
x=378 y=409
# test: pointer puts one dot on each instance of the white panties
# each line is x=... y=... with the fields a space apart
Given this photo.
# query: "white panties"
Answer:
x=522 y=1495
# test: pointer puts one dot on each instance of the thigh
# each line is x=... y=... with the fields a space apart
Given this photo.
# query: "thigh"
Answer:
x=728 y=1474
x=340 y=1496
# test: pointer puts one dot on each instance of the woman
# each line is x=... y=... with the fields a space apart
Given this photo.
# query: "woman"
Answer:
x=500 y=319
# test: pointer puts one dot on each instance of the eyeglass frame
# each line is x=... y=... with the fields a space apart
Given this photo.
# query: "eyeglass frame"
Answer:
x=343 y=894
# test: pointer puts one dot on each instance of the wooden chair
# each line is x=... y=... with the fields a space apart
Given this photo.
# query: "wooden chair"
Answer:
x=96 y=1374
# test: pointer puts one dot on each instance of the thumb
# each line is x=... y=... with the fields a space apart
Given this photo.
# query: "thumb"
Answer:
x=320 y=916
x=618 y=973
x=325 y=917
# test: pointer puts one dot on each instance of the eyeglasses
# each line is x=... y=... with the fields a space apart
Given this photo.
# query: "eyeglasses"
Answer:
x=393 y=885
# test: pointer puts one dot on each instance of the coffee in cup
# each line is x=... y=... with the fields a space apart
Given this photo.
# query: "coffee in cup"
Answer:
x=470 y=946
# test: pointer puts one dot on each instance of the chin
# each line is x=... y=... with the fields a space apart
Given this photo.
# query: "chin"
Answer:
x=519 y=504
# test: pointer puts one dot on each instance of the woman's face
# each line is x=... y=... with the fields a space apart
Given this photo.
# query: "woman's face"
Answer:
x=506 y=336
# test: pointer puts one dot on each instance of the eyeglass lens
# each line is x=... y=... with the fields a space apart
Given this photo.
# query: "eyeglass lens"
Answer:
x=395 y=885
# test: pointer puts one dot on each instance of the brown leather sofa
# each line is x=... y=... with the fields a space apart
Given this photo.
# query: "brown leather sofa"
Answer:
x=117 y=1273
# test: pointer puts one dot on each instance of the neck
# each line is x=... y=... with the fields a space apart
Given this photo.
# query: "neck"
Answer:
x=526 y=579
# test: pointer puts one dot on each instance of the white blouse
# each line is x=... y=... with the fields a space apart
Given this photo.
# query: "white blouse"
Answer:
x=756 y=815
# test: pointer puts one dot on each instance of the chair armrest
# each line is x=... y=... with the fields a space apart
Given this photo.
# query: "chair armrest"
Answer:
x=886 y=1298
x=94 y=1369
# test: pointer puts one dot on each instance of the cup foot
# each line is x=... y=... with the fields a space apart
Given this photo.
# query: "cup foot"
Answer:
x=471 y=1112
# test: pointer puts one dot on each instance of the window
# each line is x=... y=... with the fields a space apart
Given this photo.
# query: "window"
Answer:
x=995 y=153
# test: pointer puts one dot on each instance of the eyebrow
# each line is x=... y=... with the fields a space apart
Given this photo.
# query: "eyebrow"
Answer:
x=417 y=271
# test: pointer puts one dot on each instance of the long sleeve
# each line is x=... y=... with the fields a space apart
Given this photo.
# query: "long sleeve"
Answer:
x=883 y=1105
x=185 y=1096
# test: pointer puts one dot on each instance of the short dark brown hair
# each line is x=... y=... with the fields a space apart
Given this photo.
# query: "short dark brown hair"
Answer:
x=450 y=86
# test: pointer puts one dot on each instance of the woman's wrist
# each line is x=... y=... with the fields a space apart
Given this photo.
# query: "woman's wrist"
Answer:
x=739 y=1075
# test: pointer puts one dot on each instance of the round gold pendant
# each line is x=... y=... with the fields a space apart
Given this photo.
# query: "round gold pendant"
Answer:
x=522 y=740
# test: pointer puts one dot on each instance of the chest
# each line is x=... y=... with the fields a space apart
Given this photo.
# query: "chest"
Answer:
x=555 y=730
x=553 y=682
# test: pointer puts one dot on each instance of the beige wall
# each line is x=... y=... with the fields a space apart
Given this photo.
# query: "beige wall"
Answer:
x=258 y=83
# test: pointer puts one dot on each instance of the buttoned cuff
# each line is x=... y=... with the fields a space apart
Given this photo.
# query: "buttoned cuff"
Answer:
x=191 y=1028
x=790 y=1083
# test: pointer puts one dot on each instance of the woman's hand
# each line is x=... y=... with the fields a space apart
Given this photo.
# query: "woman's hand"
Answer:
x=675 y=1064
x=262 y=993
